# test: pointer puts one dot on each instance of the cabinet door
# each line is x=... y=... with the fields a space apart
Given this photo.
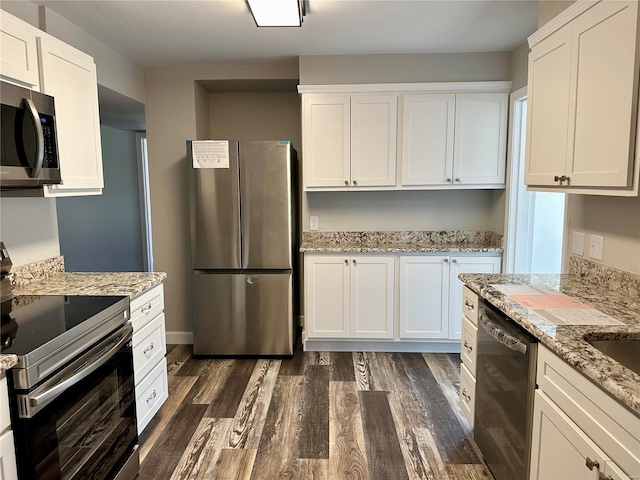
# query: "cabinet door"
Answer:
x=427 y=139
x=548 y=108
x=424 y=297
x=374 y=123
x=372 y=297
x=8 y=470
x=559 y=449
x=327 y=145
x=465 y=265
x=603 y=106
x=480 y=138
x=70 y=76
x=18 y=52
x=327 y=296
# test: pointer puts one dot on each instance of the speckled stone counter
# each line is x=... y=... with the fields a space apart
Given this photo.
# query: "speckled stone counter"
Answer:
x=112 y=283
x=7 y=361
x=568 y=341
x=399 y=242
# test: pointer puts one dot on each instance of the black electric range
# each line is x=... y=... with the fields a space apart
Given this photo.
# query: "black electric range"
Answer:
x=46 y=332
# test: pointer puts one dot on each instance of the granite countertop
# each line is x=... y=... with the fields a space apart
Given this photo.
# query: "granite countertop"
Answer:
x=568 y=341
x=90 y=283
x=399 y=242
x=7 y=361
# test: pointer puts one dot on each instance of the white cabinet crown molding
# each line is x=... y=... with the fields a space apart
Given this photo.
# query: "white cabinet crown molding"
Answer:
x=484 y=87
x=565 y=17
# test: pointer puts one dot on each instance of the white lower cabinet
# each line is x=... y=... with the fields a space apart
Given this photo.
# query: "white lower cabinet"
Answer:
x=149 y=350
x=8 y=470
x=359 y=296
x=424 y=297
x=579 y=431
x=349 y=297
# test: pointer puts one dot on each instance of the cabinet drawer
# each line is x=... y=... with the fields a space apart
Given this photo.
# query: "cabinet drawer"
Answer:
x=467 y=393
x=470 y=305
x=146 y=307
x=8 y=470
x=469 y=342
x=5 y=419
x=151 y=394
x=149 y=346
x=615 y=429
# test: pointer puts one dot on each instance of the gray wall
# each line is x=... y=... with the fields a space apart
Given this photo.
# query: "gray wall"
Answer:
x=548 y=9
x=404 y=68
x=519 y=66
x=104 y=233
x=176 y=110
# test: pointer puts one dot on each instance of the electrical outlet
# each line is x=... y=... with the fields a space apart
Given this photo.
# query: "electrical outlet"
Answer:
x=596 y=245
x=313 y=222
x=577 y=245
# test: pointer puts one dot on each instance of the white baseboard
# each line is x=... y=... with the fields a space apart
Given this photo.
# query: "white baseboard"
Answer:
x=379 y=346
x=180 y=338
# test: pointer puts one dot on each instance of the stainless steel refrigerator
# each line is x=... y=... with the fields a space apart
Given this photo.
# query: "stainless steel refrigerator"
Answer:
x=243 y=250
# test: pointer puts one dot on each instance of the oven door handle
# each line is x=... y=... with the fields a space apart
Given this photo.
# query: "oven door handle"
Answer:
x=500 y=335
x=122 y=337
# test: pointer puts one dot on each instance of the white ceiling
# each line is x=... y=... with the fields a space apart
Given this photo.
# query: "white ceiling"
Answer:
x=162 y=33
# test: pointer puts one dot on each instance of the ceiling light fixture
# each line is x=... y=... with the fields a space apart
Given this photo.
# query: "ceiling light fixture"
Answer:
x=277 y=13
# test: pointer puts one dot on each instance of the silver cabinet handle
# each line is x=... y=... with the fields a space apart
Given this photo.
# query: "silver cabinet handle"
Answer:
x=355 y=182
x=468 y=347
x=146 y=308
x=346 y=262
x=346 y=182
x=469 y=305
x=602 y=476
x=466 y=396
x=448 y=180
x=458 y=179
x=148 y=349
x=556 y=178
x=446 y=260
x=152 y=396
x=591 y=464
x=567 y=179
x=454 y=260
x=354 y=262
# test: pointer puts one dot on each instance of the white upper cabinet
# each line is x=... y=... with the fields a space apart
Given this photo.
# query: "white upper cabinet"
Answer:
x=548 y=108
x=18 y=52
x=449 y=135
x=327 y=141
x=583 y=96
x=428 y=122
x=69 y=76
x=480 y=138
x=374 y=124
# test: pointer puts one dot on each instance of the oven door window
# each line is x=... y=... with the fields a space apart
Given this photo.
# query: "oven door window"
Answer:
x=88 y=432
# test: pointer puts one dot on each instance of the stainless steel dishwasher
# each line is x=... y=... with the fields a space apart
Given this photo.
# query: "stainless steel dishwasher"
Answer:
x=505 y=386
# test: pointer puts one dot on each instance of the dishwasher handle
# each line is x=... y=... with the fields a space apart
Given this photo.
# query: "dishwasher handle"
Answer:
x=500 y=335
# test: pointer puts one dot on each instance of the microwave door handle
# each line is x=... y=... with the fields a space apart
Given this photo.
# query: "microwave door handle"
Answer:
x=35 y=116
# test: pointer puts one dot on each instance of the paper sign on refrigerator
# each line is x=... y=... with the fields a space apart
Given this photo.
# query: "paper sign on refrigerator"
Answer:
x=210 y=153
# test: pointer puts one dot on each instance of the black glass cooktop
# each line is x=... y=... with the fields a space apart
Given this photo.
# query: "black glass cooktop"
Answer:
x=29 y=322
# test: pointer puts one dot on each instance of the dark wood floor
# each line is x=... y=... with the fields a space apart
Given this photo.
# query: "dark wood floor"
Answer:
x=353 y=416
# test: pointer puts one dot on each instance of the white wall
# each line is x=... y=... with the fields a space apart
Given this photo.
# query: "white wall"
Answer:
x=414 y=210
x=29 y=229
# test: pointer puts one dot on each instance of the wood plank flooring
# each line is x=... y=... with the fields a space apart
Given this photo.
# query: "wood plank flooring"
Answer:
x=318 y=416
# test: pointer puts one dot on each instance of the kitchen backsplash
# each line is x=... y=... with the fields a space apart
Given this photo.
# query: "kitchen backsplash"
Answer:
x=605 y=276
x=438 y=237
x=25 y=274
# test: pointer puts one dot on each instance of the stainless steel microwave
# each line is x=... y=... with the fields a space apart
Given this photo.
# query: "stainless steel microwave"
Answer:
x=29 y=143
